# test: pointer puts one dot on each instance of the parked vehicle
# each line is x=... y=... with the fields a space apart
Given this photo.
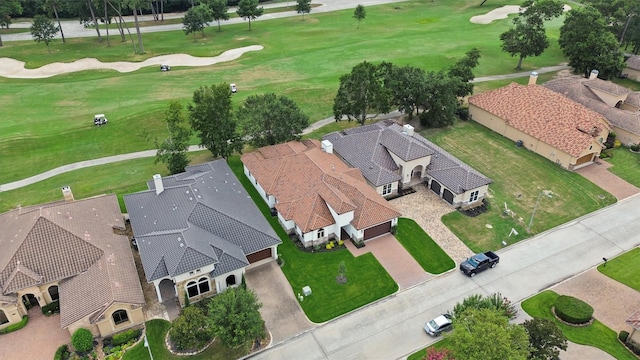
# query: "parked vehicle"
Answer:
x=438 y=325
x=165 y=67
x=99 y=119
x=479 y=262
x=233 y=88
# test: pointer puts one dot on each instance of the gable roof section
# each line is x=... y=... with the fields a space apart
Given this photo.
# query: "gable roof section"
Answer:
x=367 y=147
x=606 y=86
x=72 y=243
x=202 y=217
x=575 y=88
x=634 y=320
x=543 y=114
x=633 y=62
x=306 y=182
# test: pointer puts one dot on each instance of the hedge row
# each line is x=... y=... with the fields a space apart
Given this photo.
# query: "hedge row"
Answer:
x=14 y=327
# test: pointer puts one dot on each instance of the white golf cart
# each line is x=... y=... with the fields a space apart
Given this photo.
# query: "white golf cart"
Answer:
x=99 y=119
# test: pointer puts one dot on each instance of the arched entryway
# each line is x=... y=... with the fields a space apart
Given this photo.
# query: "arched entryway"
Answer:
x=167 y=290
x=231 y=280
x=53 y=292
x=29 y=301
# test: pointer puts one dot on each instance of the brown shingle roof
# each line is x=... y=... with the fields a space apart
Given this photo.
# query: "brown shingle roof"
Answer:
x=606 y=86
x=544 y=114
x=633 y=62
x=72 y=243
x=633 y=99
x=307 y=181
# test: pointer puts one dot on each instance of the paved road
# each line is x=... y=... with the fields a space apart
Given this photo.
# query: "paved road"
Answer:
x=392 y=328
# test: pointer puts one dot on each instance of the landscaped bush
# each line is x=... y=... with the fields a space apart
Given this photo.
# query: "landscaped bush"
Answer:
x=61 y=353
x=82 y=340
x=14 y=327
x=572 y=310
x=623 y=336
x=124 y=336
x=635 y=147
x=53 y=308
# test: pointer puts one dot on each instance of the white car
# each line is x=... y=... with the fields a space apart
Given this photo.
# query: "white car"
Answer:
x=438 y=325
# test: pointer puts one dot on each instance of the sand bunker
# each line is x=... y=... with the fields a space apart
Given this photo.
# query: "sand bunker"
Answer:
x=11 y=68
x=501 y=13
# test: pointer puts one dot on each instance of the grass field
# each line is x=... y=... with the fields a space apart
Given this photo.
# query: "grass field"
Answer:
x=596 y=334
x=519 y=177
x=47 y=122
x=422 y=248
x=626 y=165
x=624 y=268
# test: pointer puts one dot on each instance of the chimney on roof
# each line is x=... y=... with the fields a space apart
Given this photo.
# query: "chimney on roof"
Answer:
x=594 y=74
x=157 y=182
x=407 y=129
x=67 y=194
x=327 y=146
x=533 y=78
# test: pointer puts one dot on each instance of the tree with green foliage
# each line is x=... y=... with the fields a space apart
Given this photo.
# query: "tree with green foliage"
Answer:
x=494 y=301
x=235 y=317
x=360 y=92
x=43 y=30
x=584 y=39
x=196 y=19
x=303 y=7
x=270 y=119
x=211 y=116
x=438 y=354
x=440 y=103
x=528 y=36
x=486 y=334
x=619 y=15
x=136 y=6
x=173 y=150
x=52 y=6
x=407 y=85
x=191 y=330
x=8 y=8
x=463 y=70
x=82 y=340
x=248 y=9
x=360 y=13
x=545 y=339
x=220 y=11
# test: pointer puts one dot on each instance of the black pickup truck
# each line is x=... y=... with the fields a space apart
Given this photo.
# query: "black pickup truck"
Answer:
x=479 y=262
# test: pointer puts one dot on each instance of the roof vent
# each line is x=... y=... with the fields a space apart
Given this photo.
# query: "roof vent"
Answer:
x=157 y=182
x=533 y=78
x=327 y=146
x=407 y=129
x=67 y=194
x=594 y=74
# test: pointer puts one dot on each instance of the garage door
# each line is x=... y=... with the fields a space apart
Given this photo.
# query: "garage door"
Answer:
x=260 y=255
x=448 y=195
x=377 y=230
x=435 y=186
x=584 y=159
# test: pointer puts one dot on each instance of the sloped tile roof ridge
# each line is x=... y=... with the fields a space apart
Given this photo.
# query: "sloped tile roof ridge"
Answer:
x=7 y=299
x=227 y=264
x=159 y=272
x=402 y=144
x=606 y=86
x=192 y=259
x=312 y=221
x=345 y=202
x=633 y=62
x=634 y=320
x=633 y=99
x=31 y=208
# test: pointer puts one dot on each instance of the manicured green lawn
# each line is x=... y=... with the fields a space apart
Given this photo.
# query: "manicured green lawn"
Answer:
x=596 y=334
x=47 y=122
x=519 y=176
x=624 y=268
x=156 y=332
x=419 y=355
x=626 y=165
x=368 y=281
x=422 y=247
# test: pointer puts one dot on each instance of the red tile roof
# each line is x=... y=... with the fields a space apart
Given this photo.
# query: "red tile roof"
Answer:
x=306 y=181
x=544 y=114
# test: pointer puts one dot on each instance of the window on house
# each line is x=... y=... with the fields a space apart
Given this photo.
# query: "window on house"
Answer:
x=53 y=292
x=3 y=318
x=474 y=196
x=120 y=316
x=192 y=288
x=320 y=233
x=203 y=285
x=231 y=280
x=386 y=190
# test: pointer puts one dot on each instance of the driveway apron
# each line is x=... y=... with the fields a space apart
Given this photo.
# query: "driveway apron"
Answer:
x=599 y=174
x=38 y=340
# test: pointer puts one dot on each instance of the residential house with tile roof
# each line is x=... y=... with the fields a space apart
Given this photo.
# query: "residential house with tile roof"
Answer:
x=632 y=67
x=634 y=322
x=70 y=251
x=619 y=105
x=316 y=195
x=543 y=121
x=197 y=232
x=392 y=157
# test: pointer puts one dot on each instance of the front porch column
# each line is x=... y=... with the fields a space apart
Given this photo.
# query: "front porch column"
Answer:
x=157 y=287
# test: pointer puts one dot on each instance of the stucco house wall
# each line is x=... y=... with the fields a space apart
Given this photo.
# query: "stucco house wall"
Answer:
x=13 y=313
x=108 y=326
x=632 y=73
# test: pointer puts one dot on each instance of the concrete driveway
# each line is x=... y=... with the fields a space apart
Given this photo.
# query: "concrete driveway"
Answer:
x=38 y=340
x=280 y=310
x=599 y=174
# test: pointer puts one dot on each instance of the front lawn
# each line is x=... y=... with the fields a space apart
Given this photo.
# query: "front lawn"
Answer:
x=157 y=330
x=624 y=268
x=519 y=178
x=626 y=165
x=368 y=280
x=422 y=247
x=419 y=355
x=596 y=334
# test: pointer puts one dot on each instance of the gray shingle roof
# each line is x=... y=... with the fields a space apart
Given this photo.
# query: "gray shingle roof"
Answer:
x=367 y=147
x=204 y=216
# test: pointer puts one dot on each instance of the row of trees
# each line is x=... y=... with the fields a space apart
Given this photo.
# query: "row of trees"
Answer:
x=198 y=17
x=433 y=96
x=482 y=331
x=261 y=120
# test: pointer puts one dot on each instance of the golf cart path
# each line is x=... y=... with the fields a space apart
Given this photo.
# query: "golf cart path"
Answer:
x=11 y=68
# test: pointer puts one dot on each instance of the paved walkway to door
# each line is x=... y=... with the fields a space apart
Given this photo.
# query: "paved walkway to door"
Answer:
x=402 y=267
x=38 y=340
x=598 y=174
